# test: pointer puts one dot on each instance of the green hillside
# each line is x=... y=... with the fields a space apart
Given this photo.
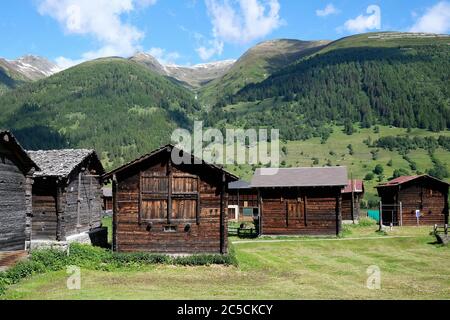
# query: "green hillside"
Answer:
x=364 y=154
x=113 y=105
x=257 y=64
x=9 y=79
x=402 y=82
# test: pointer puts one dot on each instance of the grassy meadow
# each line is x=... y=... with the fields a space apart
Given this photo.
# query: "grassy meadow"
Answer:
x=412 y=267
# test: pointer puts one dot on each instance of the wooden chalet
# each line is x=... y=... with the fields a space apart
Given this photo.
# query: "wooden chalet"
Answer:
x=352 y=195
x=163 y=207
x=414 y=200
x=242 y=201
x=16 y=180
x=300 y=201
x=67 y=196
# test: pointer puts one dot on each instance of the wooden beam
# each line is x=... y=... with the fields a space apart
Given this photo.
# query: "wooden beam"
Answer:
x=115 y=213
x=198 y=205
x=169 y=191
x=222 y=216
x=79 y=201
x=140 y=199
x=306 y=209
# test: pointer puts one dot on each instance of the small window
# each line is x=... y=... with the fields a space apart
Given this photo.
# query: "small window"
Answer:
x=170 y=229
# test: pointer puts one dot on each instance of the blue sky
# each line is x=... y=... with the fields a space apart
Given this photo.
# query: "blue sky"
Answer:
x=196 y=31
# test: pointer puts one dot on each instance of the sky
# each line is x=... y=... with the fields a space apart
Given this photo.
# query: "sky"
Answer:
x=188 y=32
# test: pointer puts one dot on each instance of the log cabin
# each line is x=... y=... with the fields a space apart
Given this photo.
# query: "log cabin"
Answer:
x=67 y=198
x=16 y=180
x=352 y=193
x=300 y=201
x=414 y=200
x=163 y=207
x=242 y=201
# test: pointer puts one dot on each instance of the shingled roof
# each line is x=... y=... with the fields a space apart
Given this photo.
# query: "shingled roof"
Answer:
x=300 y=177
x=60 y=163
x=9 y=141
x=239 y=185
x=404 y=179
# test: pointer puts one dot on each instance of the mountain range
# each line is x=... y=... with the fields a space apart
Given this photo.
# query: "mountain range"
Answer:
x=126 y=106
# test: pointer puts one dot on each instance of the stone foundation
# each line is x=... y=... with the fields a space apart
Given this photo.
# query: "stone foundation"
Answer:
x=96 y=237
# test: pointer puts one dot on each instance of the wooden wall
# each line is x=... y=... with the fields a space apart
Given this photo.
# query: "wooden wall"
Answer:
x=141 y=206
x=44 y=210
x=85 y=214
x=347 y=206
x=429 y=197
x=300 y=211
x=13 y=202
x=65 y=207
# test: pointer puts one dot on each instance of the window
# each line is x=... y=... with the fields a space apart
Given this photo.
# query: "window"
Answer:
x=160 y=192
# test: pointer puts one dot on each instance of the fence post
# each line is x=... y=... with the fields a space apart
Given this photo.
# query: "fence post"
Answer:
x=381 y=215
x=401 y=214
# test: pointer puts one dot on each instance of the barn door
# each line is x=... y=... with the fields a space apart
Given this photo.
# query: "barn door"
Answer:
x=153 y=195
x=294 y=211
x=185 y=197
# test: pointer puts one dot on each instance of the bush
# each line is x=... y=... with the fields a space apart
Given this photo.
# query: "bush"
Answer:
x=367 y=222
x=369 y=176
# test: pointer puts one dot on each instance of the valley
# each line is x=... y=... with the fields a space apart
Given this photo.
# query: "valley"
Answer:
x=323 y=96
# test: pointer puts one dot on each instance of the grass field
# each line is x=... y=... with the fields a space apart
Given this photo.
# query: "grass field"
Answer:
x=412 y=267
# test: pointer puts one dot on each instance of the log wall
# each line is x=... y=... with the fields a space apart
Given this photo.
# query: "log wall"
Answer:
x=145 y=220
x=14 y=202
x=347 y=206
x=302 y=211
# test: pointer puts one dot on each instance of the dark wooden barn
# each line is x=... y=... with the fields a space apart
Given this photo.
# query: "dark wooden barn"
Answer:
x=413 y=200
x=352 y=195
x=163 y=207
x=16 y=179
x=300 y=201
x=242 y=201
x=67 y=196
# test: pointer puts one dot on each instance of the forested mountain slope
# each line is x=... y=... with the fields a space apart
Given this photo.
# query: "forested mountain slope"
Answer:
x=388 y=79
x=113 y=105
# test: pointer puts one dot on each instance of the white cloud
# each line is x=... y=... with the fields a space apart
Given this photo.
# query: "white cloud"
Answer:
x=435 y=20
x=252 y=20
x=163 y=56
x=328 y=10
x=364 y=23
x=240 y=22
x=213 y=47
x=100 y=19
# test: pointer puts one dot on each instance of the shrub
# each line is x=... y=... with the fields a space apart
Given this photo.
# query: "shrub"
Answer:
x=367 y=222
x=369 y=176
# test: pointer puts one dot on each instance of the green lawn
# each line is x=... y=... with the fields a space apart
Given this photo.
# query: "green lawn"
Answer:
x=412 y=267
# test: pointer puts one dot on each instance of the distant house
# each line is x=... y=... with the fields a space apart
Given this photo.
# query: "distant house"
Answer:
x=163 y=207
x=412 y=200
x=107 y=199
x=242 y=201
x=67 y=197
x=354 y=190
x=300 y=201
x=16 y=180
